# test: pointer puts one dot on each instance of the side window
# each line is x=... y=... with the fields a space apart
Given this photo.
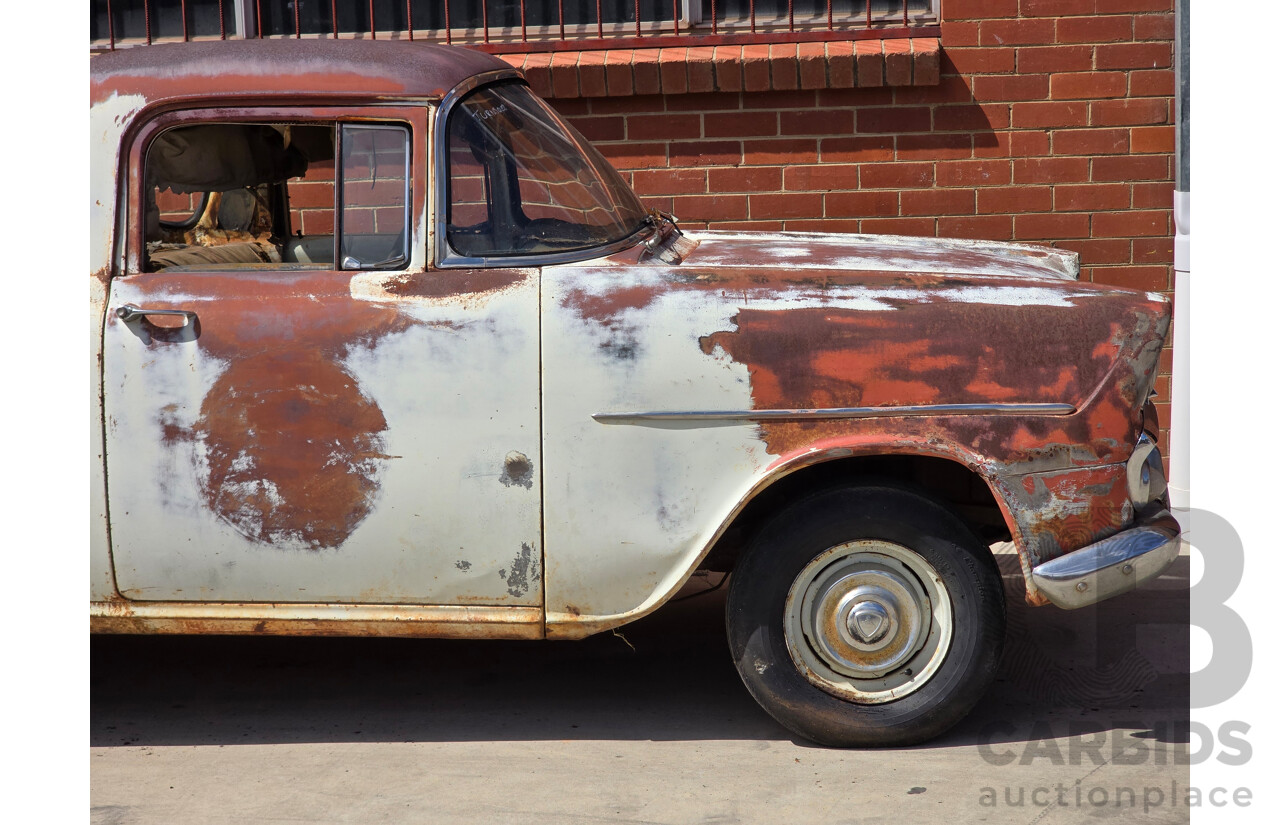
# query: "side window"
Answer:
x=277 y=195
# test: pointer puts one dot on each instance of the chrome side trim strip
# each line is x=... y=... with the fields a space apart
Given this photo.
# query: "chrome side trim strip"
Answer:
x=834 y=413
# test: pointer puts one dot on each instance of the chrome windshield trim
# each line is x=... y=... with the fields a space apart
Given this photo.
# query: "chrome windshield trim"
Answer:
x=446 y=257
x=835 y=413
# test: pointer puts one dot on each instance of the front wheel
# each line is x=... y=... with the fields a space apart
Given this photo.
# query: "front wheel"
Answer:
x=866 y=615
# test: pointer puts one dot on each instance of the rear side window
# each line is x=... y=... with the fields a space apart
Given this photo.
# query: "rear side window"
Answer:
x=268 y=195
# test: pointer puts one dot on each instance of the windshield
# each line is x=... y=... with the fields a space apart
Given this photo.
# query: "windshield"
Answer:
x=521 y=182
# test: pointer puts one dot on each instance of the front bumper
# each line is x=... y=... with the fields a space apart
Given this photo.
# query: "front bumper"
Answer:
x=1111 y=566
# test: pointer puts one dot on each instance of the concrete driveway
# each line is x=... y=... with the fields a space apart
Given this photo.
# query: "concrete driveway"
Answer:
x=1087 y=721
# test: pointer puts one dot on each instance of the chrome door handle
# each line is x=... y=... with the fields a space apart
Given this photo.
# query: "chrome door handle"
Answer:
x=129 y=312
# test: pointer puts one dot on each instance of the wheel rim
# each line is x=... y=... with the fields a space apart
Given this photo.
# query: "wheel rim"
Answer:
x=869 y=621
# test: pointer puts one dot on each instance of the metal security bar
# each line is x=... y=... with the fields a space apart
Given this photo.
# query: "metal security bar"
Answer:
x=513 y=25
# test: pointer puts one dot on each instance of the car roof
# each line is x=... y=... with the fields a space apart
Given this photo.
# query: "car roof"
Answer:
x=300 y=68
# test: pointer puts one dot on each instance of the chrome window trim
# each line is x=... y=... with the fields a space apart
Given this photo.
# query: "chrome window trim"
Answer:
x=445 y=255
x=835 y=413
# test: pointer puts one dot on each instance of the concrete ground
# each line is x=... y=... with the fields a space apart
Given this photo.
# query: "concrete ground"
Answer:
x=1086 y=723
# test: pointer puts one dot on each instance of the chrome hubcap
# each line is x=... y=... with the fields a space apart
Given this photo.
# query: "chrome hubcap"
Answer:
x=868 y=621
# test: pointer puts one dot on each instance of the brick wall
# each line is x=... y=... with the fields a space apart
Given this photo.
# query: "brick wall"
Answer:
x=1052 y=123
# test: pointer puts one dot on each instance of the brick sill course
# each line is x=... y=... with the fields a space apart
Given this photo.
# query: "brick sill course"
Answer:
x=913 y=61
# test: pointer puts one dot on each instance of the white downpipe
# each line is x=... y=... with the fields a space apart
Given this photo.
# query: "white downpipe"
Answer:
x=1180 y=412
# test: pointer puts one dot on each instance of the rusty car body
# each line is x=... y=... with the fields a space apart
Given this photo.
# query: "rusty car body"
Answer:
x=480 y=391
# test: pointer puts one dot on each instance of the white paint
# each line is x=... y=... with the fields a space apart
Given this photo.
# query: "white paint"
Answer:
x=1180 y=381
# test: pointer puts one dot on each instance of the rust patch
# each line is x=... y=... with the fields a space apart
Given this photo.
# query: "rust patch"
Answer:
x=470 y=283
x=517 y=471
x=293 y=450
x=523 y=568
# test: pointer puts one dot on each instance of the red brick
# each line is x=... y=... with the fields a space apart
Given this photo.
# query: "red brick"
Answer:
x=741 y=124
x=755 y=68
x=1029 y=144
x=700 y=102
x=1153 y=251
x=1041 y=115
x=946 y=146
x=646 y=77
x=710 y=207
x=591 y=74
x=1095 y=29
x=894 y=119
x=706 y=153
x=899 y=226
x=537 y=71
x=1153 y=195
x=1130 y=224
x=1153 y=27
x=857 y=149
x=817 y=122
x=1011 y=87
x=840 y=64
x=1081 y=85
x=1134 y=277
x=970 y=61
x=702 y=75
x=1138 y=5
x=1050 y=170
x=1091 y=197
x=1152 y=139
x=812 y=58
x=786 y=205
x=953 y=88
x=1132 y=112
x=564 y=74
x=612 y=127
x=1015 y=32
x=1052 y=225
x=1090 y=141
x=1057 y=8
x=822 y=177
x=981 y=9
x=1135 y=56
x=745 y=179
x=971 y=117
x=634 y=155
x=1102 y=251
x=959 y=34
x=784 y=68
x=617 y=72
x=674 y=71
x=1131 y=167
x=938 y=202
x=993 y=144
x=664 y=127
x=793 y=99
x=896 y=175
x=926 y=61
x=853 y=98
x=670 y=181
x=751 y=226
x=1151 y=83
x=1014 y=199
x=868 y=59
x=728 y=68
x=1055 y=59
x=775 y=152
x=973 y=173
x=977 y=227
x=823 y=225
x=879 y=203
x=897 y=62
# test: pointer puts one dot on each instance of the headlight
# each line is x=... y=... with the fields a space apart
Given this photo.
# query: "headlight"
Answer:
x=1145 y=473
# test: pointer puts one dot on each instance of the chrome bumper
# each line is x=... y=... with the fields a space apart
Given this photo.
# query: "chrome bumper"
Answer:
x=1111 y=566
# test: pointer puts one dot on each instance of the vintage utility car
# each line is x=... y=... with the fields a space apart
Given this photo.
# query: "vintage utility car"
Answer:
x=382 y=346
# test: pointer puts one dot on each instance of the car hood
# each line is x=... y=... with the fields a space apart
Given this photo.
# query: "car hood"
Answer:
x=879 y=253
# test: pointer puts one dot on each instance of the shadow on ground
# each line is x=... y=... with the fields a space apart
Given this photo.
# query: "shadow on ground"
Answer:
x=666 y=677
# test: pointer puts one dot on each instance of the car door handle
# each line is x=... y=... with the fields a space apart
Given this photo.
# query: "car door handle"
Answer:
x=129 y=312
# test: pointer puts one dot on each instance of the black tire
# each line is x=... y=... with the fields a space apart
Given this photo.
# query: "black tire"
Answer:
x=852 y=525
